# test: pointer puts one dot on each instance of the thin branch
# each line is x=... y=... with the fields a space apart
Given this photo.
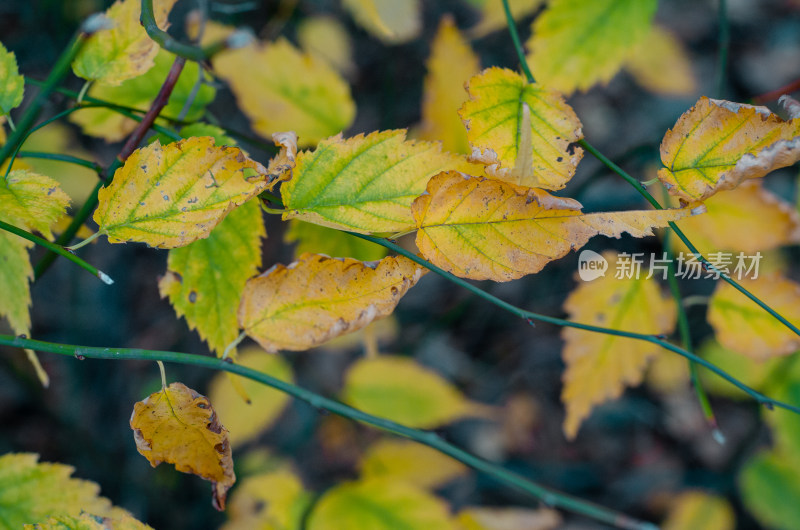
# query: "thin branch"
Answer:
x=69 y=159
x=549 y=497
x=169 y=43
x=772 y=95
x=512 y=30
x=723 y=44
x=58 y=249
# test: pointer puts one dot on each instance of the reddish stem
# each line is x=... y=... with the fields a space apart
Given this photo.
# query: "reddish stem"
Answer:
x=772 y=95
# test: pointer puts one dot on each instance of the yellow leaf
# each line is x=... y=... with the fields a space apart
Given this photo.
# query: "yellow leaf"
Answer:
x=717 y=144
x=384 y=330
x=450 y=64
x=741 y=326
x=661 y=64
x=334 y=243
x=178 y=426
x=379 y=504
x=31 y=201
x=245 y=421
x=170 y=196
x=89 y=522
x=269 y=501
x=365 y=183
x=410 y=462
x=486 y=229
x=508 y=519
x=15 y=275
x=600 y=366
x=282 y=89
x=696 y=509
x=576 y=44
x=669 y=373
x=746 y=219
x=401 y=390
x=32 y=491
x=205 y=280
x=327 y=38
x=111 y=56
x=318 y=298
x=13 y=84
x=392 y=21
x=501 y=104
x=493 y=16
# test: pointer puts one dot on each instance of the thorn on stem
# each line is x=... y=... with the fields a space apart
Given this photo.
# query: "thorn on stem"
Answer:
x=769 y=406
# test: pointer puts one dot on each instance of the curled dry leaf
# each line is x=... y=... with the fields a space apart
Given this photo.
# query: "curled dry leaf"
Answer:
x=718 y=144
x=168 y=196
x=280 y=167
x=317 y=298
x=486 y=229
x=178 y=426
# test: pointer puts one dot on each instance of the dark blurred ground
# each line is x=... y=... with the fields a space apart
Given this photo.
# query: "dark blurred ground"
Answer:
x=628 y=453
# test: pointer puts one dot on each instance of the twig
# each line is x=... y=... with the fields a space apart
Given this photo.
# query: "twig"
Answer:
x=723 y=44
x=69 y=159
x=169 y=43
x=512 y=29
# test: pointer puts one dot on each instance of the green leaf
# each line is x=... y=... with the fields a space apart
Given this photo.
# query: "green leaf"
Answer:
x=576 y=43
x=31 y=491
x=15 y=274
x=31 y=201
x=379 y=504
x=751 y=372
x=87 y=521
x=770 y=490
x=205 y=280
x=12 y=85
x=334 y=243
x=366 y=183
x=139 y=93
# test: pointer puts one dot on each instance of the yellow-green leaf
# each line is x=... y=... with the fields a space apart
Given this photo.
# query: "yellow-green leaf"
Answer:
x=246 y=420
x=335 y=243
x=522 y=131
x=173 y=195
x=508 y=519
x=696 y=509
x=718 y=144
x=139 y=93
x=402 y=390
x=410 y=462
x=392 y=21
x=283 y=89
x=318 y=298
x=15 y=275
x=32 y=491
x=31 y=201
x=12 y=85
x=493 y=16
x=365 y=183
x=89 y=522
x=487 y=229
x=599 y=366
x=660 y=63
x=450 y=64
x=742 y=326
x=576 y=44
x=753 y=373
x=178 y=426
x=269 y=501
x=770 y=489
x=205 y=280
x=379 y=504
x=327 y=38
x=124 y=51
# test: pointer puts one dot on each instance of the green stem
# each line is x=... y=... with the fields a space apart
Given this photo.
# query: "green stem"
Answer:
x=169 y=43
x=94 y=166
x=58 y=249
x=512 y=29
x=431 y=439
x=530 y=316
x=723 y=44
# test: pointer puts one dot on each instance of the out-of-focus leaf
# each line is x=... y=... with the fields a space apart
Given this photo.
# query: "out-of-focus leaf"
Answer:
x=576 y=44
x=32 y=491
x=696 y=509
x=327 y=38
x=89 y=522
x=716 y=145
x=493 y=16
x=379 y=504
x=139 y=93
x=752 y=372
x=521 y=131
x=178 y=426
x=599 y=366
x=365 y=183
x=740 y=325
x=392 y=21
x=124 y=51
x=770 y=490
x=15 y=275
x=410 y=462
x=487 y=229
x=205 y=279
x=269 y=501
x=335 y=243
x=246 y=420
x=660 y=63
x=450 y=64
x=12 y=85
x=400 y=389
x=281 y=88
x=173 y=195
x=318 y=298
x=508 y=519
